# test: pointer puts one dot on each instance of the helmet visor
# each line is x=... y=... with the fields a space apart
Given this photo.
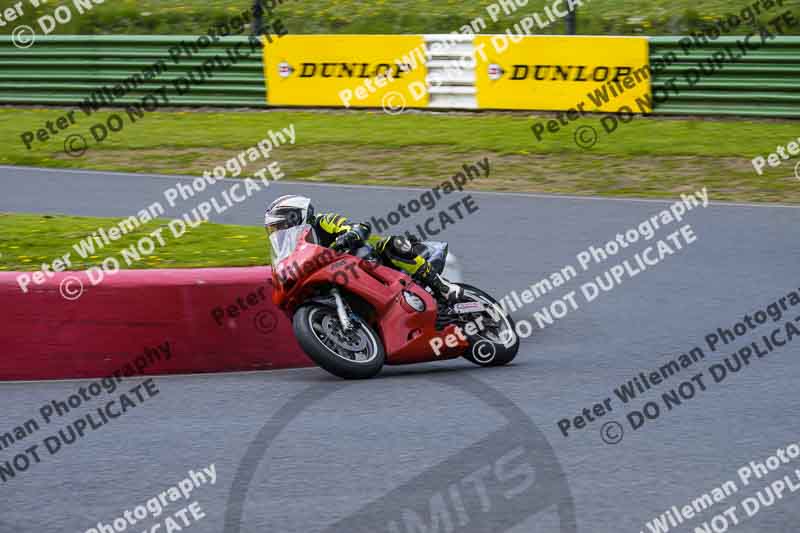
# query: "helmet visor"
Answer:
x=282 y=220
x=275 y=226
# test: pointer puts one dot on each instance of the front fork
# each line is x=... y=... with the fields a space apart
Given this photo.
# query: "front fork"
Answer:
x=342 y=309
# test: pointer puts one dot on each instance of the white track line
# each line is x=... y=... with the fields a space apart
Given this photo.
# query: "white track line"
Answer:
x=712 y=203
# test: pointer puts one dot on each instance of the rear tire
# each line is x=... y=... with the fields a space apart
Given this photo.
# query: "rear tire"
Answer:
x=491 y=347
x=357 y=354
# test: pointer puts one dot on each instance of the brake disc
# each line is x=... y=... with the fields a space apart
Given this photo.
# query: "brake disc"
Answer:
x=353 y=341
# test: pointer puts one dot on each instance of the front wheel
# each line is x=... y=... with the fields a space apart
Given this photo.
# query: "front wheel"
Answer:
x=496 y=342
x=354 y=354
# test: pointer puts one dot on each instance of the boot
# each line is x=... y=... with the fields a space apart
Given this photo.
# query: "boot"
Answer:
x=447 y=291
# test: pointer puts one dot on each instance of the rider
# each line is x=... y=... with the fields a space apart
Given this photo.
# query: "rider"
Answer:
x=334 y=229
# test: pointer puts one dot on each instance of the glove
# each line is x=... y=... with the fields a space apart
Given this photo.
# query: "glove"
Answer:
x=347 y=241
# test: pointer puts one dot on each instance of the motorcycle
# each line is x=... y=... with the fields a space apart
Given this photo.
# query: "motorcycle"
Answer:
x=351 y=314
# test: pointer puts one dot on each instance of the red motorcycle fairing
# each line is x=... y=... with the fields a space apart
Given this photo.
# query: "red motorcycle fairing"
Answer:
x=406 y=333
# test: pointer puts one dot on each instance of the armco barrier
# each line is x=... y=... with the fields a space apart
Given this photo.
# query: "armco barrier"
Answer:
x=45 y=336
x=762 y=82
x=66 y=69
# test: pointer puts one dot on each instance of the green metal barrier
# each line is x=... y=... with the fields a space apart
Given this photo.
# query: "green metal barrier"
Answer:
x=66 y=69
x=763 y=82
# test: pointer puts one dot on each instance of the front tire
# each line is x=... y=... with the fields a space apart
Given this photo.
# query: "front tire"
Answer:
x=497 y=343
x=357 y=354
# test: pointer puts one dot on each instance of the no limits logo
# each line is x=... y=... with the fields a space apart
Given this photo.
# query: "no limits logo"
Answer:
x=498 y=483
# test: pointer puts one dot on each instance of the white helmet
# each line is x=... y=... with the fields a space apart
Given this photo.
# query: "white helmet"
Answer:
x=288 y=211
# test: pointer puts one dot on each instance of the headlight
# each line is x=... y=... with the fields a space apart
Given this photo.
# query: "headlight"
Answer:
x=415 y=302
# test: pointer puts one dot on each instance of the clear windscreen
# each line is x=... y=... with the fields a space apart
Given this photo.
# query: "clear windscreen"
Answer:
x=285 y=241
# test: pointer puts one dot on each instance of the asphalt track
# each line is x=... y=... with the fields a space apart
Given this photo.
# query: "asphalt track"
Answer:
x=447 y=446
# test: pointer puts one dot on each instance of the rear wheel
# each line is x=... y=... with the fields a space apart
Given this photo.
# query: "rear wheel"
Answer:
x=354 y=354
x=496 y=342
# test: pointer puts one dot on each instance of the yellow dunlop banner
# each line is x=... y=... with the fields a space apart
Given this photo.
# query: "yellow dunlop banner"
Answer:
x=563 y=73
x=345 y=70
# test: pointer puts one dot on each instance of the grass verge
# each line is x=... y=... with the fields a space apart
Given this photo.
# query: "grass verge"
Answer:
x=648 y=157
x=149 y=17
x=31 y=240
